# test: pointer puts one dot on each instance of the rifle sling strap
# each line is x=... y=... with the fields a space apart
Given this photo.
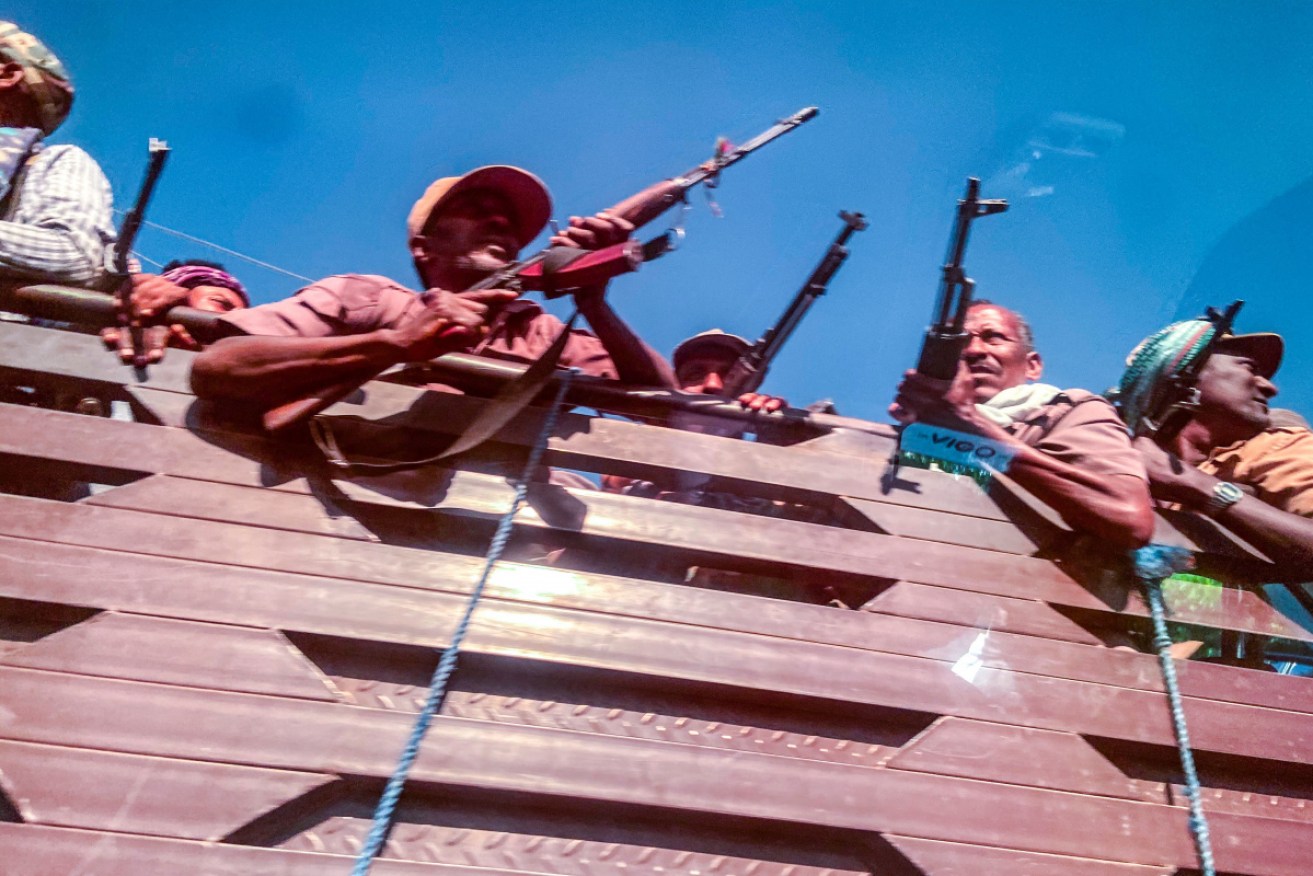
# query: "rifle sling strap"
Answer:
x=10 y=203
x=505 y=406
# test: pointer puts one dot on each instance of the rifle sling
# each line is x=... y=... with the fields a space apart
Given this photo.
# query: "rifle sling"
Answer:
x=507 y=404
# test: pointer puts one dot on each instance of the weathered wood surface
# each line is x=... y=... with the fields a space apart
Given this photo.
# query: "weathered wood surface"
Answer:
x=703 y=536
x=211 y=666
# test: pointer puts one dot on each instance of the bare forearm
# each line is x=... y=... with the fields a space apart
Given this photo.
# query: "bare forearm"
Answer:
x=268 y=371
x=635 y=362
x=1286 y=538
x=1116 y=508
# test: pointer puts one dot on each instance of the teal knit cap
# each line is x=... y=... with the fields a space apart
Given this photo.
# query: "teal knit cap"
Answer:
x=1154 y=362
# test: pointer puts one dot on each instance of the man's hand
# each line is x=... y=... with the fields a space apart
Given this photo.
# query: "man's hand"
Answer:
x=154 y=338
x=594 y=232
x=762 y=404
x=152 y=295
x=449 y=321
x=1171 y=479
x=945 y=403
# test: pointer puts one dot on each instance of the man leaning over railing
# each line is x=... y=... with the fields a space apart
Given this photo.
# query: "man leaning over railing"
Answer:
x=1068 y=447
x=353 y=326
x=1230 y=461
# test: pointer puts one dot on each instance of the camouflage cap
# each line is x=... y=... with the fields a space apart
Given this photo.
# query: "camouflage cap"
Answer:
x=44 y=78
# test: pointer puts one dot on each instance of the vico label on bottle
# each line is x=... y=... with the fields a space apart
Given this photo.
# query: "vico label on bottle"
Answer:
x=957 y=448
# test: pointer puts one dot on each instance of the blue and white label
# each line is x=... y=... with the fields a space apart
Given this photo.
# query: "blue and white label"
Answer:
x=956 y=448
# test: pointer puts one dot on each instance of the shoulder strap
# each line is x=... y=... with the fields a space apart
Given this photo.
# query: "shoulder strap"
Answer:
x=10 y=202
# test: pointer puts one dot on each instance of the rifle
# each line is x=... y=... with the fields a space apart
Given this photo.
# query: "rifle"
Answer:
x=946 y=338
x=557 y=269
x=1181 y=399
x=748 y=372
x=126 y=314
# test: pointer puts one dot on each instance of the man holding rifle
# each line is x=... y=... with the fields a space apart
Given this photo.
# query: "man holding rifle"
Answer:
x=1067 y=447
x=971 y=405
x=1229 y=461
x=462 y=230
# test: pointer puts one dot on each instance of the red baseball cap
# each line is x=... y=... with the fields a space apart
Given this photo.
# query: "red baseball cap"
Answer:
x=527 y=194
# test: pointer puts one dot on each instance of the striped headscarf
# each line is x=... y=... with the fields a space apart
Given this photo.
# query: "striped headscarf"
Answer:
x=1154 y=362
x=191 y=276
x=45 y=80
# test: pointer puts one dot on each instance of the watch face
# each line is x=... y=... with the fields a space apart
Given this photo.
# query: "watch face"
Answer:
x=1227 y=493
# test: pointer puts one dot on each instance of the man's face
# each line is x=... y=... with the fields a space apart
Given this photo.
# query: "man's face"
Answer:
x=474 y=232
x=704 y=373
x=16 y=108
x=214 y=299
x=995 y=357
x=1233 y=397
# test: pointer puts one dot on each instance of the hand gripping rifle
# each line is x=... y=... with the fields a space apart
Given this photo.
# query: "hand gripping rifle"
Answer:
x=126 y=314
x=747 y=374
x=558 y=269
x=1180 y=399
x=946 y=337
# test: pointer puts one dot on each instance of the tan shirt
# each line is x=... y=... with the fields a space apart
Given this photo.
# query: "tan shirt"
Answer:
x=355 y=304
x=1083 y=430
x=1276 y=463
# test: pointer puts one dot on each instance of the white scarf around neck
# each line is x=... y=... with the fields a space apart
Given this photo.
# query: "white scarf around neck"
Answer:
x=1018 y=402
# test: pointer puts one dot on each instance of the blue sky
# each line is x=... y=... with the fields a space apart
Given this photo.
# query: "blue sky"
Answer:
x=1146 y=147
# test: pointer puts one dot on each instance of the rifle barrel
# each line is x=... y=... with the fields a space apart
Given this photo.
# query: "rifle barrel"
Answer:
x=743 y=150
x=748 y=372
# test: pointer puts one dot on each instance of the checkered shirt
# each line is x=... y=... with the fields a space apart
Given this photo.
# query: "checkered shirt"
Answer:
x=63 y=228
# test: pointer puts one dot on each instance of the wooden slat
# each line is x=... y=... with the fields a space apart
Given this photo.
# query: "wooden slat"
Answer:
x=216 y=656
x=1028 y=617
x=272 y=509
x=616 y=446
x=30 y=850
x=1020 y=755
x=666 y=853
x=798 y=473
x=45 y=354
x=825 y=673
x=715 y=537
x=299 y=735
x=361 y=615
x=935 y=858
x=100 y=790
x=994 y=535
x=581 y=442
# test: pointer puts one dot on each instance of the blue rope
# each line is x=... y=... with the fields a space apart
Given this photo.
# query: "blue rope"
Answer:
x=387 y=803
x=1154 y=563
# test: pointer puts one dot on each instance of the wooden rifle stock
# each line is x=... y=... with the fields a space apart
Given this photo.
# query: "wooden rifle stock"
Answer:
x=558 y=269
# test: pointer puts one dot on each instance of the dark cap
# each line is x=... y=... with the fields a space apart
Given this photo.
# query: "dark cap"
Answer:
x=1264 y=348
x=713 y=342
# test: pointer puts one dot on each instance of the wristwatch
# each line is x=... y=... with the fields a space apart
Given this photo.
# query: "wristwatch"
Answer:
x=1225 y=494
